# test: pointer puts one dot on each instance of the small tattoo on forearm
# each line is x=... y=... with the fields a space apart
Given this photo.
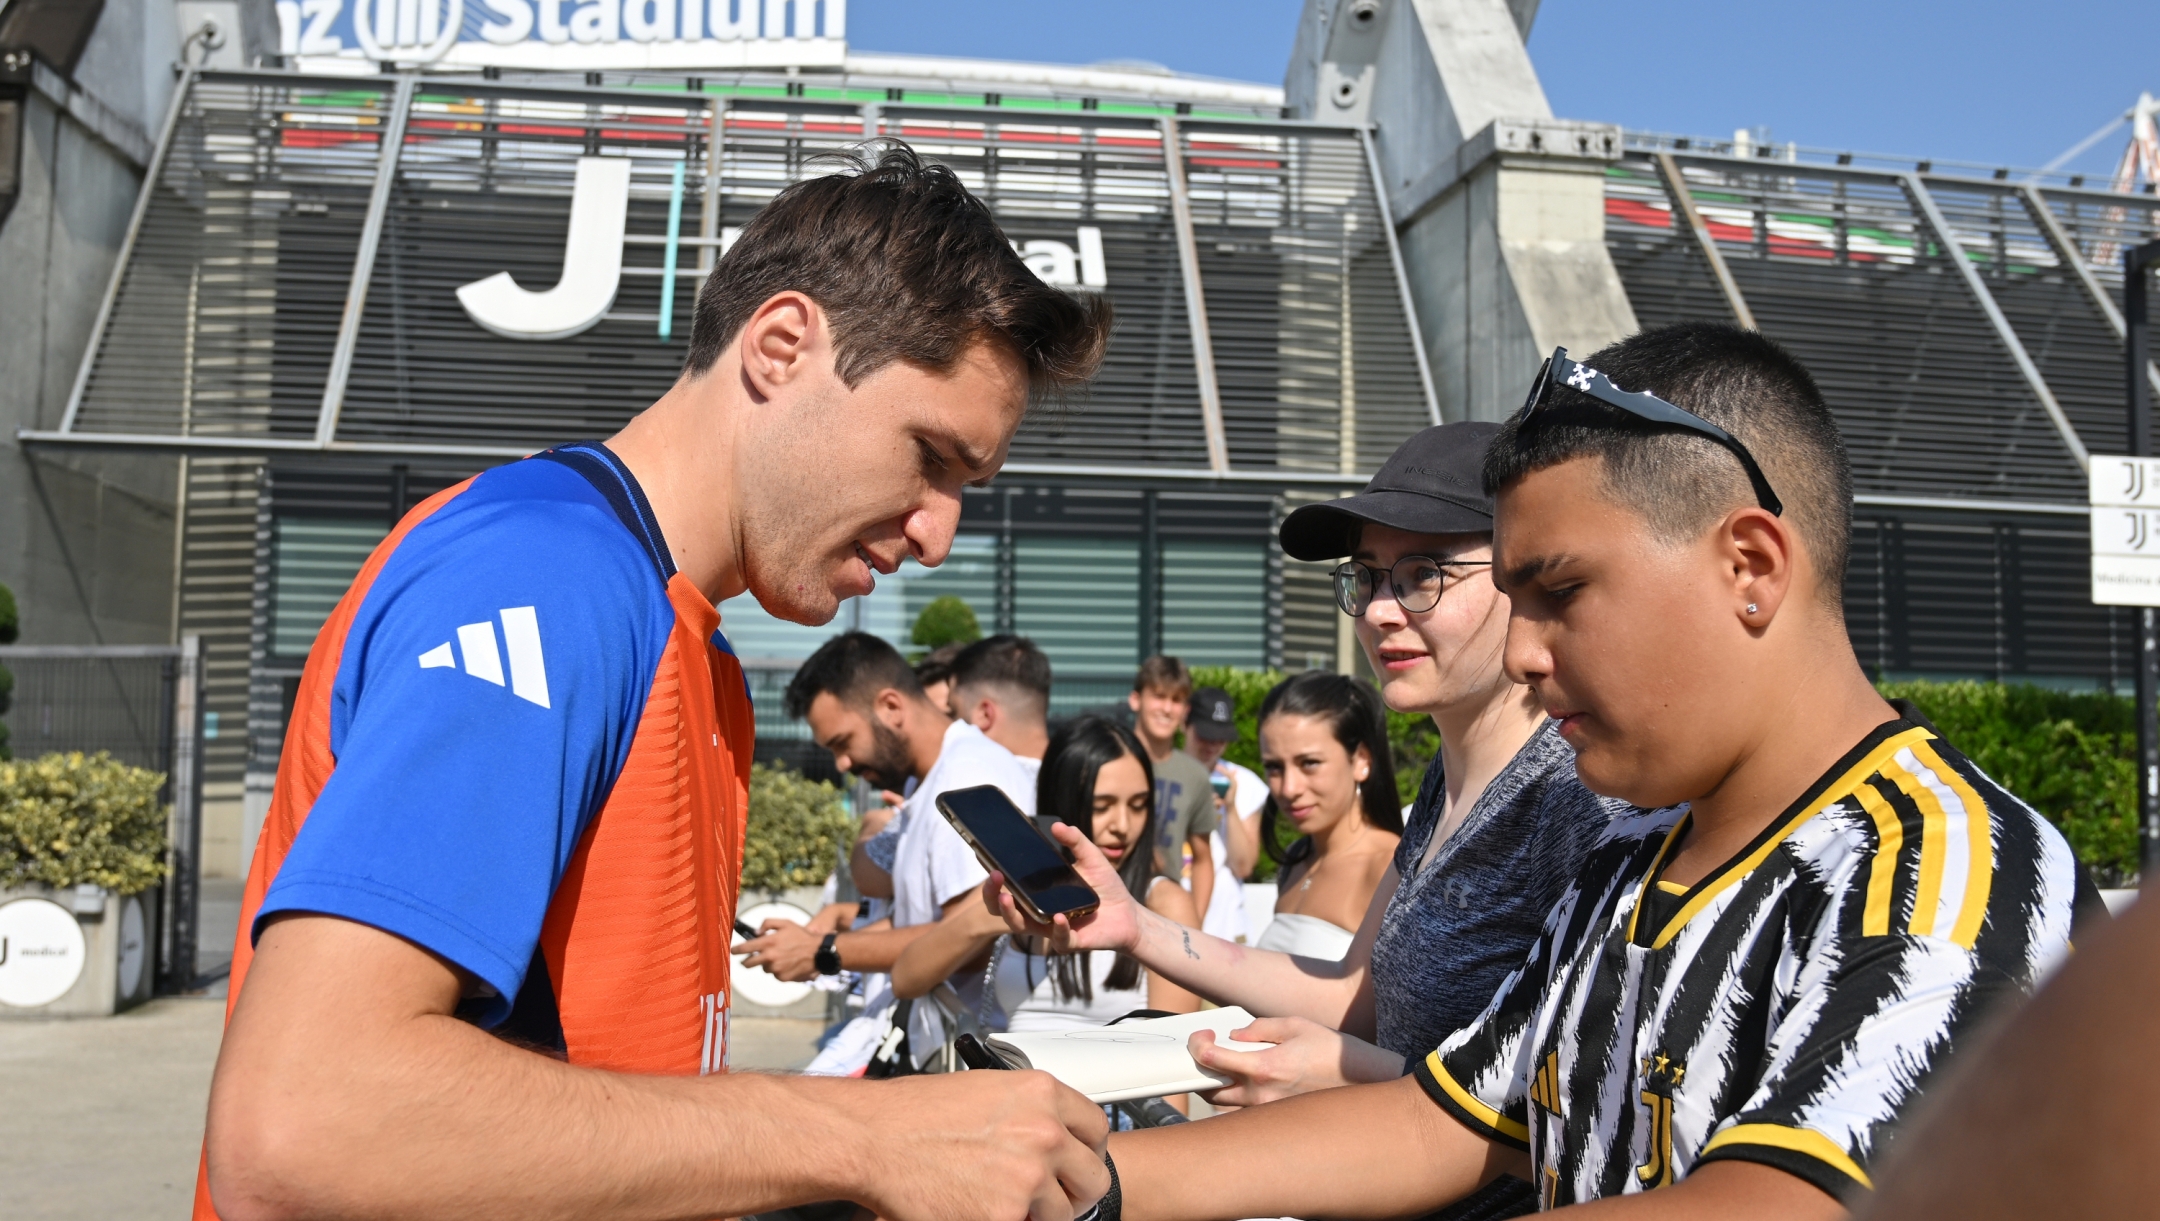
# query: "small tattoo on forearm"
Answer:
x=1189 y=951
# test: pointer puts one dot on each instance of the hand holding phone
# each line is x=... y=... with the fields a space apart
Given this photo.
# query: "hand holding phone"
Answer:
x=1041 y=880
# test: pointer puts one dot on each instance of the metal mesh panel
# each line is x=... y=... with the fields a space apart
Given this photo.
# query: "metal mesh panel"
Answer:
x=2062 y=330
x=117 y=704
x=229 y=306
x=2008 y=598
x=1045 y=176
x=1837 y=269
x=1312 y=349
x=484 y=186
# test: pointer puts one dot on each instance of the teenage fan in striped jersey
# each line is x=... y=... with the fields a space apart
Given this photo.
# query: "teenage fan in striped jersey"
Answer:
x=1753 y=977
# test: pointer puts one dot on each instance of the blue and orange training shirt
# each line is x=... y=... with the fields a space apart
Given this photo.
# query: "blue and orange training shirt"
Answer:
x=522 y=743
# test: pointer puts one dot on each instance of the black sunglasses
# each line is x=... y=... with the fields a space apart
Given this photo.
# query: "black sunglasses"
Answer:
x=1558 y=369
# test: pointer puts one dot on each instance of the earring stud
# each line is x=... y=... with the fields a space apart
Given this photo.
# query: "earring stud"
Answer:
x=1751 y=608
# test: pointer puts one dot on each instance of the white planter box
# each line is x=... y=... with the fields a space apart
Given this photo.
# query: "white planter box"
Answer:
x=75 y=953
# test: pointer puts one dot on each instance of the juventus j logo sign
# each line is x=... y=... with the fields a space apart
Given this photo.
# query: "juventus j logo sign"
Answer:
x=592 y=265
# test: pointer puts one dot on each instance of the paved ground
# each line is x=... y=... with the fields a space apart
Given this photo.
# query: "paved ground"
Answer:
x=102 y=1118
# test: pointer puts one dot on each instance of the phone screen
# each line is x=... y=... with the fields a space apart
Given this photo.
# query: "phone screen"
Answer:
x=1031 y=863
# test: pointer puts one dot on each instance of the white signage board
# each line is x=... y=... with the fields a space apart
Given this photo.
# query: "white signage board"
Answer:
x=42 y=952
x=563 y=35
x=2125 y=496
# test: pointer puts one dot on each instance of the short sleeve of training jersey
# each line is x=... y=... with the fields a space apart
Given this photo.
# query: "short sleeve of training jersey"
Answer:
x=1848 y=1056
x=484 y=703
x=1481 y=1073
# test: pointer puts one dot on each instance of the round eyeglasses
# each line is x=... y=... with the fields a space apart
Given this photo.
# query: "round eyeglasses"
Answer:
x=1415 y=580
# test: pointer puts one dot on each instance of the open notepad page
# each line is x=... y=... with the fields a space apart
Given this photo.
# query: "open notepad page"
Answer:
x=1138 y=1059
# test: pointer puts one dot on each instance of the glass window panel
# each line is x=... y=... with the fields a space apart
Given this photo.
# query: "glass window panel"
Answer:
x=1079 y=599
x=1215 y=603
x=314 y=561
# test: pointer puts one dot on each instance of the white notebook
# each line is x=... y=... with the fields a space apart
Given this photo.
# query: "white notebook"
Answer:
x=1143 y=1058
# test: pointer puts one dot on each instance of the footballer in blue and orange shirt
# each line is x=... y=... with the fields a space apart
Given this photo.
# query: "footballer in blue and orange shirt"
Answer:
x=514 y=785
x=536 y=609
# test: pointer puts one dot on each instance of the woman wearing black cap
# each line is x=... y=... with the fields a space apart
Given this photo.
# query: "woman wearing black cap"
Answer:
x=1499 y=826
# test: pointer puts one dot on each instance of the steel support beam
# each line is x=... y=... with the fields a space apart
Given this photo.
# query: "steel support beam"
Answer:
x=2137 y=354
x=2066 y=250
x=1684 y=206
x=183 y=925
x=1188 y=249
x=1402 y=277
x=1931 y=214
x=356 y=289
x=181 y=89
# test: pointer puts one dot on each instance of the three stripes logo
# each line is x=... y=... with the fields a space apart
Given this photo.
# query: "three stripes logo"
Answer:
x=483 y=660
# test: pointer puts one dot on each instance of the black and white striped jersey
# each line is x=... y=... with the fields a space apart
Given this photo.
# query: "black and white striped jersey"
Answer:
x=1788 y=1008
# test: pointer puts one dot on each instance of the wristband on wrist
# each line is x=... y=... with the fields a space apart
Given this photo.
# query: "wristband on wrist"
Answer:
x=1112 y=1206
x=827 y=958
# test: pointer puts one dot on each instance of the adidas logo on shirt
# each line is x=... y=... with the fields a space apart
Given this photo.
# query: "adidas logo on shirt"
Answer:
x=476 y=644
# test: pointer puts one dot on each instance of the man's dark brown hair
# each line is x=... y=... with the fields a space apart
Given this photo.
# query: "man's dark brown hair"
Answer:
x=908 y=266
x=1682 y=483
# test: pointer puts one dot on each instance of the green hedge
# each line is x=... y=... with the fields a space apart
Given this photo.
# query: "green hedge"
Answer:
x=2072 y=755
x=797 y=827
x=71 y=819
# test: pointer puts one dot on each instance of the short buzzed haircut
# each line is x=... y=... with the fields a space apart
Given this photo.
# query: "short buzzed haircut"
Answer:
x=852 y=668
x=908 y=265
x=1166 y=674
x=1680 y=482
x=1011 y=665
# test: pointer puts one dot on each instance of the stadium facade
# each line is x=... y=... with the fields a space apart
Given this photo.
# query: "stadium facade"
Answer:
x=378 y=245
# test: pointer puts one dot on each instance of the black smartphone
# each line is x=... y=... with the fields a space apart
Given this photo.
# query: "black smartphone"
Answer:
x=1042 y=881
x=745 y=932
x=975 y=1054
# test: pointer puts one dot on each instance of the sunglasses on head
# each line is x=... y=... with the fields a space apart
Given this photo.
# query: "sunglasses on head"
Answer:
x=1559 y=370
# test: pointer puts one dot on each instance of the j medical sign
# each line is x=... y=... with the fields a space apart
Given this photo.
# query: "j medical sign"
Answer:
x=2125 y=495
x=564 y=35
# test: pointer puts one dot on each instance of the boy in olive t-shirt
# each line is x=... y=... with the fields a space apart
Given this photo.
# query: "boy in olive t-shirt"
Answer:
x=1184 y=800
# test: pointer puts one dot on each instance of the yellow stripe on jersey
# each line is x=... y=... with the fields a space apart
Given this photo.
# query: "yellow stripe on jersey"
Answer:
x=1843 y=787
x=1799 y=1140
x=1934 y=846
x=1979 y=828
x=1657 y=866
x=1882 y=872
x=1472 y=1103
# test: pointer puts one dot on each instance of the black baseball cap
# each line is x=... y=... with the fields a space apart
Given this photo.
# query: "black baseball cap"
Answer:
x=1433 y=484
x=1213 y=715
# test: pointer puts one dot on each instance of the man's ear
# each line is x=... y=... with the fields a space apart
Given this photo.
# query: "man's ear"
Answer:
x=1132 y=701
x=1762 y=552
x=890 y=708
x=782 y=340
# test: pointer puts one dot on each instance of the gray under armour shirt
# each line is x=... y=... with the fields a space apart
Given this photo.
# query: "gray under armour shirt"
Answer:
x=1458 y=926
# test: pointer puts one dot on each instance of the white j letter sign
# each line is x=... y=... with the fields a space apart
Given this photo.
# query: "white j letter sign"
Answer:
x=592 y=265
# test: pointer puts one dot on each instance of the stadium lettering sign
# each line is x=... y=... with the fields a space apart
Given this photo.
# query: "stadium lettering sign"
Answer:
x=593 y=263
x=2125 y=496
x=564 y=35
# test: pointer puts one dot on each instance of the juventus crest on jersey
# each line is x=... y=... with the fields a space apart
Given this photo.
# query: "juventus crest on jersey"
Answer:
x=1788 y=1008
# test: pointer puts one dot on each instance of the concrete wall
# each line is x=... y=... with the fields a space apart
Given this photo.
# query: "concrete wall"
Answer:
x=86 y=540
x=1498 y=205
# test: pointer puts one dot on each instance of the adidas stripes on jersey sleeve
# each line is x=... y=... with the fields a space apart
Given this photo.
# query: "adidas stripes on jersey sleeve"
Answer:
x=484 y=703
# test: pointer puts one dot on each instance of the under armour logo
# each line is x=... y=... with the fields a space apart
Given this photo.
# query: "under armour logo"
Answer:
x=1580 y=378
x=476 y=645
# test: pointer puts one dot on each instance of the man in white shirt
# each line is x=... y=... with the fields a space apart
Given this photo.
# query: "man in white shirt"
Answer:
x=1001 y=685
x=1240 y=794
x=863 y=704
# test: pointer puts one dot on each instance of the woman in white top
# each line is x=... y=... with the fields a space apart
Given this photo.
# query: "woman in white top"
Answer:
x=1324 y=753
x=1095 y=776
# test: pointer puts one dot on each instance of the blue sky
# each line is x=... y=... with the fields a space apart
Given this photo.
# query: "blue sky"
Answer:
x=1977 y=80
